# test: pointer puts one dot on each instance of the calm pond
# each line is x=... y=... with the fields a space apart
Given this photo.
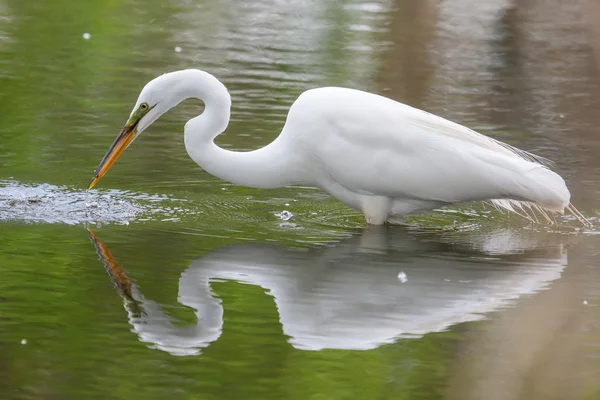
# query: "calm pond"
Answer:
x=165 y=282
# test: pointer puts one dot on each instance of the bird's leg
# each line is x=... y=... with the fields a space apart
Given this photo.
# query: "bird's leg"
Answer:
x=375 y=209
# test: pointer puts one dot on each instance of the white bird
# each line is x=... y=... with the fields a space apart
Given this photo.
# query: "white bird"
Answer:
x=374 y=154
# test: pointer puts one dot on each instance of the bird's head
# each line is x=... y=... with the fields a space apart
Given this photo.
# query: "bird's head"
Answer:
x=156 y=98
x=153 y=101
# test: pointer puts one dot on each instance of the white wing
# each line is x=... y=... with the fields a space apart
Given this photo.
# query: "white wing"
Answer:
x=373 y=145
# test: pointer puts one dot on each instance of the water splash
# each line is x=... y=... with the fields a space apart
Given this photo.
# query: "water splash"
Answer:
x=402 y=277
x=284 y=215
x=46 y=203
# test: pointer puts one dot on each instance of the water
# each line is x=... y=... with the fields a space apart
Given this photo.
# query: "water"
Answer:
x=47 y=203
x=165 y=282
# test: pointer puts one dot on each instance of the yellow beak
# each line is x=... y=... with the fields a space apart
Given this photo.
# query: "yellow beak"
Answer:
x=122 y=141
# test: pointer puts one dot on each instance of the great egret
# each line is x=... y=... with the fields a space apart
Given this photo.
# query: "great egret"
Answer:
x=374 y=154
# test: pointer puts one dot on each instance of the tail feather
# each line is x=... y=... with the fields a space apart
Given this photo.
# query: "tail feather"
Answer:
x=578 y=215
x=545 y=193
x=526 y=209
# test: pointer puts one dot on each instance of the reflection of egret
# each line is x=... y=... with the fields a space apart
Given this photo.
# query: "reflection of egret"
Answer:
x=372 y=153
x=348 y=296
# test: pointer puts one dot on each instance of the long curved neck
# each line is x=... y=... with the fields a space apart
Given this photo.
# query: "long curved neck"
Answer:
x=269 y=167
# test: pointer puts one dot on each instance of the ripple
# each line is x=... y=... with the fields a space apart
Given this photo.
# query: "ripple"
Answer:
x=46 y=203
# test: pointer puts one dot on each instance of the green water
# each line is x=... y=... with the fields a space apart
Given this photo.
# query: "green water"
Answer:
x=165 y=282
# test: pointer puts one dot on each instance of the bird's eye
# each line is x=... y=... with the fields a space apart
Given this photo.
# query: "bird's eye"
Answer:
x=144 y=106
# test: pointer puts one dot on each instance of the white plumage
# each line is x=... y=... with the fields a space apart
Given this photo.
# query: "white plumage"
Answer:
x=376 y=155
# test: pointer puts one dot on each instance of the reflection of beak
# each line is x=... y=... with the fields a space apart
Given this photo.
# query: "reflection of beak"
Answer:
x=116 y=273
x=124 y=139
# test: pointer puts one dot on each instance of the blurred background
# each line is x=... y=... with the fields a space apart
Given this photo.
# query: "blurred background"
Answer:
x=192 y=288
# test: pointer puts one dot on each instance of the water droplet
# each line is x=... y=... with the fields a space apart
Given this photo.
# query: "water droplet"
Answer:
x=284 y=215
x=177 y=49
x=86 y=36
x=402 y=277
x=23 y=341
